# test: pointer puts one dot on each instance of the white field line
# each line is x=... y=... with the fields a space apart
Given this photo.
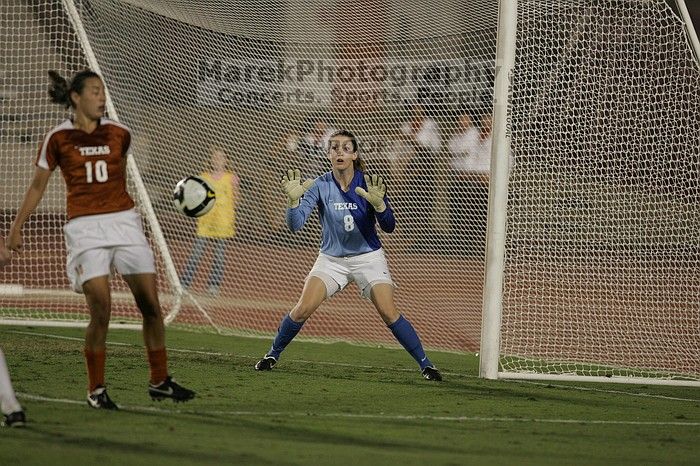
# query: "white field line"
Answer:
x=340 y=364
x=385 y=417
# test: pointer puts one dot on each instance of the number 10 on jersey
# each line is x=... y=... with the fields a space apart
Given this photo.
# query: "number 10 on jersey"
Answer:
x=96 y=171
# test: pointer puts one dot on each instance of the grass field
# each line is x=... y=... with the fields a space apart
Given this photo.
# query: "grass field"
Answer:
x=326 y=404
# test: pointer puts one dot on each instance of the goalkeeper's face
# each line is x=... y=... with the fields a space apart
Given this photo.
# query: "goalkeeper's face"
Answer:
x=341 y=152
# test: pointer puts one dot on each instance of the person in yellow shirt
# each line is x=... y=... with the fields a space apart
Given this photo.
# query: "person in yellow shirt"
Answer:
x=218 y=225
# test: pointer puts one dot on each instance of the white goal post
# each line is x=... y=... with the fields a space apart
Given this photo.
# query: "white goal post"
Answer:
x=530 y=331
x=141 y=193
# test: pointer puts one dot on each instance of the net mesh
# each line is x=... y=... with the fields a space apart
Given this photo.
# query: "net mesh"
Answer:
x=603 y=211
x=603 y=227
x=265 y=82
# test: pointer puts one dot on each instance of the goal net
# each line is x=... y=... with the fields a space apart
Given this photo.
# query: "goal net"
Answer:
x=602 y=263
x=601 y=269
x=265 y=82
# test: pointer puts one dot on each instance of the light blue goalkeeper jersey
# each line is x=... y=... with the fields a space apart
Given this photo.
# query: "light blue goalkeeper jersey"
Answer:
x=347 y=219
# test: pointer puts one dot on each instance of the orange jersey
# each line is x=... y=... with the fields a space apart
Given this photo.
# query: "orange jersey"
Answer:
x=93 y=165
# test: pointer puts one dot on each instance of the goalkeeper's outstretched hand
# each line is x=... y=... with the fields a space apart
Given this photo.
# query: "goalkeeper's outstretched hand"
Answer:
x=376 y=189
x=294 y=188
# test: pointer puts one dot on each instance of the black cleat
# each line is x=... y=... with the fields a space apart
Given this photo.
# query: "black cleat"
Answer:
x=16 y=419
x=266 y=363
x=99 y=399
x=170 y=389
x=431 y=373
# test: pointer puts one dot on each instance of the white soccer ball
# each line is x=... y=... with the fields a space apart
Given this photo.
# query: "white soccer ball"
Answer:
x=193 y=196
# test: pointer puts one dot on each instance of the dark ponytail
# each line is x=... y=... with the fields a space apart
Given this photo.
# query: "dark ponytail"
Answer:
x=60 y=89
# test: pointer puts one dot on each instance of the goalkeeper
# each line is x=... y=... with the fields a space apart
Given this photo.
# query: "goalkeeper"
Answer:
x=350 y=203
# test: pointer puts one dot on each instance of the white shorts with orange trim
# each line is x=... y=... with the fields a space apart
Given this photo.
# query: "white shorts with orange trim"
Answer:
x=99 y=245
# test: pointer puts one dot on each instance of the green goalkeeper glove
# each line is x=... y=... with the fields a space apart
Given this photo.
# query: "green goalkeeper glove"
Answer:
x=294 y=188
x=376 y=189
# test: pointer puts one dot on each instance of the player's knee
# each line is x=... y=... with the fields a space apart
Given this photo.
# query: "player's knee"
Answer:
x=100 y=310
x=148 y=305
x=389 y=316
x=301 y=312
x=299 y=315
x=150 y=310
x=99 y=320
x=388 y=312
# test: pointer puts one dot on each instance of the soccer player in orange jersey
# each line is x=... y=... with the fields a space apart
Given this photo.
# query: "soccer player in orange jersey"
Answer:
x=103 y=232
x=13 y=415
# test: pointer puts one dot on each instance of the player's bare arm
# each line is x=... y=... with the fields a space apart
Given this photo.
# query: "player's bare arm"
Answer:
x=31 y=199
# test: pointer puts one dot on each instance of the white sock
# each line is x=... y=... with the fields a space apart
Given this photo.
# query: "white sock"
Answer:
x=8 y=401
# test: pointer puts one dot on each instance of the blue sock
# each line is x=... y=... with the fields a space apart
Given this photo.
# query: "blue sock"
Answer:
x=407 y=336
x=286 y=332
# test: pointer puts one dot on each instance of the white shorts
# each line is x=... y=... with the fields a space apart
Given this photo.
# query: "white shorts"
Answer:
x=98 y=245
x=365 y=269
